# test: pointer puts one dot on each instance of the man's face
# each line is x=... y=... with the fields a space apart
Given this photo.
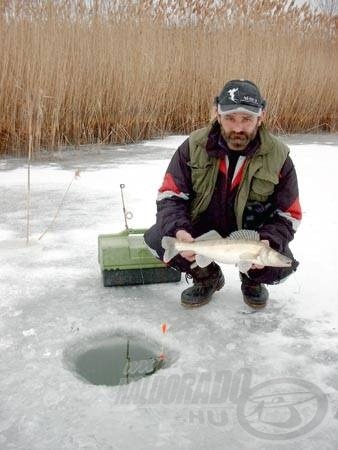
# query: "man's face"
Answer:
x=238 y=129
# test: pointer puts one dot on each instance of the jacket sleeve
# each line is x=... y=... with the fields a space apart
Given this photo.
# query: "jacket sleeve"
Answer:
x=174 y=195
x=280 y=227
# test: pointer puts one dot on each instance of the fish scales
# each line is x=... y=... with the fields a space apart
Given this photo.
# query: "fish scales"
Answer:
x=227 y=251
x=242 y=247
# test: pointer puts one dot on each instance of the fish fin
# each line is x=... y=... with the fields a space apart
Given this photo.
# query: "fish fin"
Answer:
x=246 y=235
x=203 y=261
x=208 y=236
x=244 y=266
x=168 y=243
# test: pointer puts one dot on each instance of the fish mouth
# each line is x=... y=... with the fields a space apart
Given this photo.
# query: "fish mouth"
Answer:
x=287 y=263
x=284 y=262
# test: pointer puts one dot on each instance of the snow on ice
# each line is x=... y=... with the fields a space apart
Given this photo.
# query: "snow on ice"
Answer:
x=51 y=296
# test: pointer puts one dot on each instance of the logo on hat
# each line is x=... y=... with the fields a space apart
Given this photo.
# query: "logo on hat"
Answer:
x=252 y=100
x=231 y=93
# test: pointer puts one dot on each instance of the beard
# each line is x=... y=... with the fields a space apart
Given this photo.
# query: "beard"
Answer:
x=239 y=141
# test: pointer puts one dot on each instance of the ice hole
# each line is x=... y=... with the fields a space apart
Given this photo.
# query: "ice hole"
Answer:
x=115 y=360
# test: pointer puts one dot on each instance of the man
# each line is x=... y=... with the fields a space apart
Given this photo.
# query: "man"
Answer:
x=230 y=175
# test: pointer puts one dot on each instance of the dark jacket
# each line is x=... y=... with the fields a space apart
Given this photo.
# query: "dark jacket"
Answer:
x=275 y=219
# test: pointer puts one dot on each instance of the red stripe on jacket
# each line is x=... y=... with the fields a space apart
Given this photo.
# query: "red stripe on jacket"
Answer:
x=295 y=210
x=223 y=166
x=169 y=184
x=238 y=178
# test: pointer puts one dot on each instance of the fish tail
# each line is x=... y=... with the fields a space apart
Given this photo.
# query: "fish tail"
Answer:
x=168 y=243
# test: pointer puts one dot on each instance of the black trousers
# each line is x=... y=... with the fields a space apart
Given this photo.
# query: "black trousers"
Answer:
x=267 y=275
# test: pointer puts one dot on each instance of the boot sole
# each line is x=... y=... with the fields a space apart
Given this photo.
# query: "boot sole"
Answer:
x=204 y=302
x=254 y=305
x=195 y=305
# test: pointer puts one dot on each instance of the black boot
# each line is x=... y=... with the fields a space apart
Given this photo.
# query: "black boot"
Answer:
x=206 y=281
x=254 y=294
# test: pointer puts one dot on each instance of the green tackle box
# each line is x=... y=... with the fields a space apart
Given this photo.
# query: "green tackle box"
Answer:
x=125 y=260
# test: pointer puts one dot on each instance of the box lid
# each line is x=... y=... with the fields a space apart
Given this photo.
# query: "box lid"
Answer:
x=125 y=250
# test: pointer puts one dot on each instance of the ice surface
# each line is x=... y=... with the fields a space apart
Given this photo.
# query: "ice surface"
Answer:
x=54 y=297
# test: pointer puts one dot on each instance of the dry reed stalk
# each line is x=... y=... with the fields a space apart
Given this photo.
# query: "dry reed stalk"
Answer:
x=120 y=71
x=29 y=158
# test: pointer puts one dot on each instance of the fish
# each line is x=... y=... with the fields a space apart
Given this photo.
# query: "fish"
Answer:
x=242 y=248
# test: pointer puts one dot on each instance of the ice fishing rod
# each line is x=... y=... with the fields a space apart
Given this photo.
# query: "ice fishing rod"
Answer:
x=127 y=214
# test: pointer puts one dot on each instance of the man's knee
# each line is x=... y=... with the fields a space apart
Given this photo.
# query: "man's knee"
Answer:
x=153 y=238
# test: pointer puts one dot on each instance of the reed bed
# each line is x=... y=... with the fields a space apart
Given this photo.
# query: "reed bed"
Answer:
x=104 y=71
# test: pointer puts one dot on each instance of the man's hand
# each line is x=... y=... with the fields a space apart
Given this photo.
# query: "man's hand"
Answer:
x=259 y=266
x=184 y=236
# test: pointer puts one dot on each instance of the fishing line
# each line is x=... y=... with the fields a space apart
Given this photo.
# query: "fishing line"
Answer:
x=298 y=283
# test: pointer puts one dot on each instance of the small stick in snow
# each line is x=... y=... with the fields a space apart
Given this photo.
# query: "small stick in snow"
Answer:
x=75 y=176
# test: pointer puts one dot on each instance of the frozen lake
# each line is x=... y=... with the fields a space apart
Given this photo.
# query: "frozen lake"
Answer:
x=235 y=379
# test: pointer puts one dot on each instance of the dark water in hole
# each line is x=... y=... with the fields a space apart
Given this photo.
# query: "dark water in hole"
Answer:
x=116 y=358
